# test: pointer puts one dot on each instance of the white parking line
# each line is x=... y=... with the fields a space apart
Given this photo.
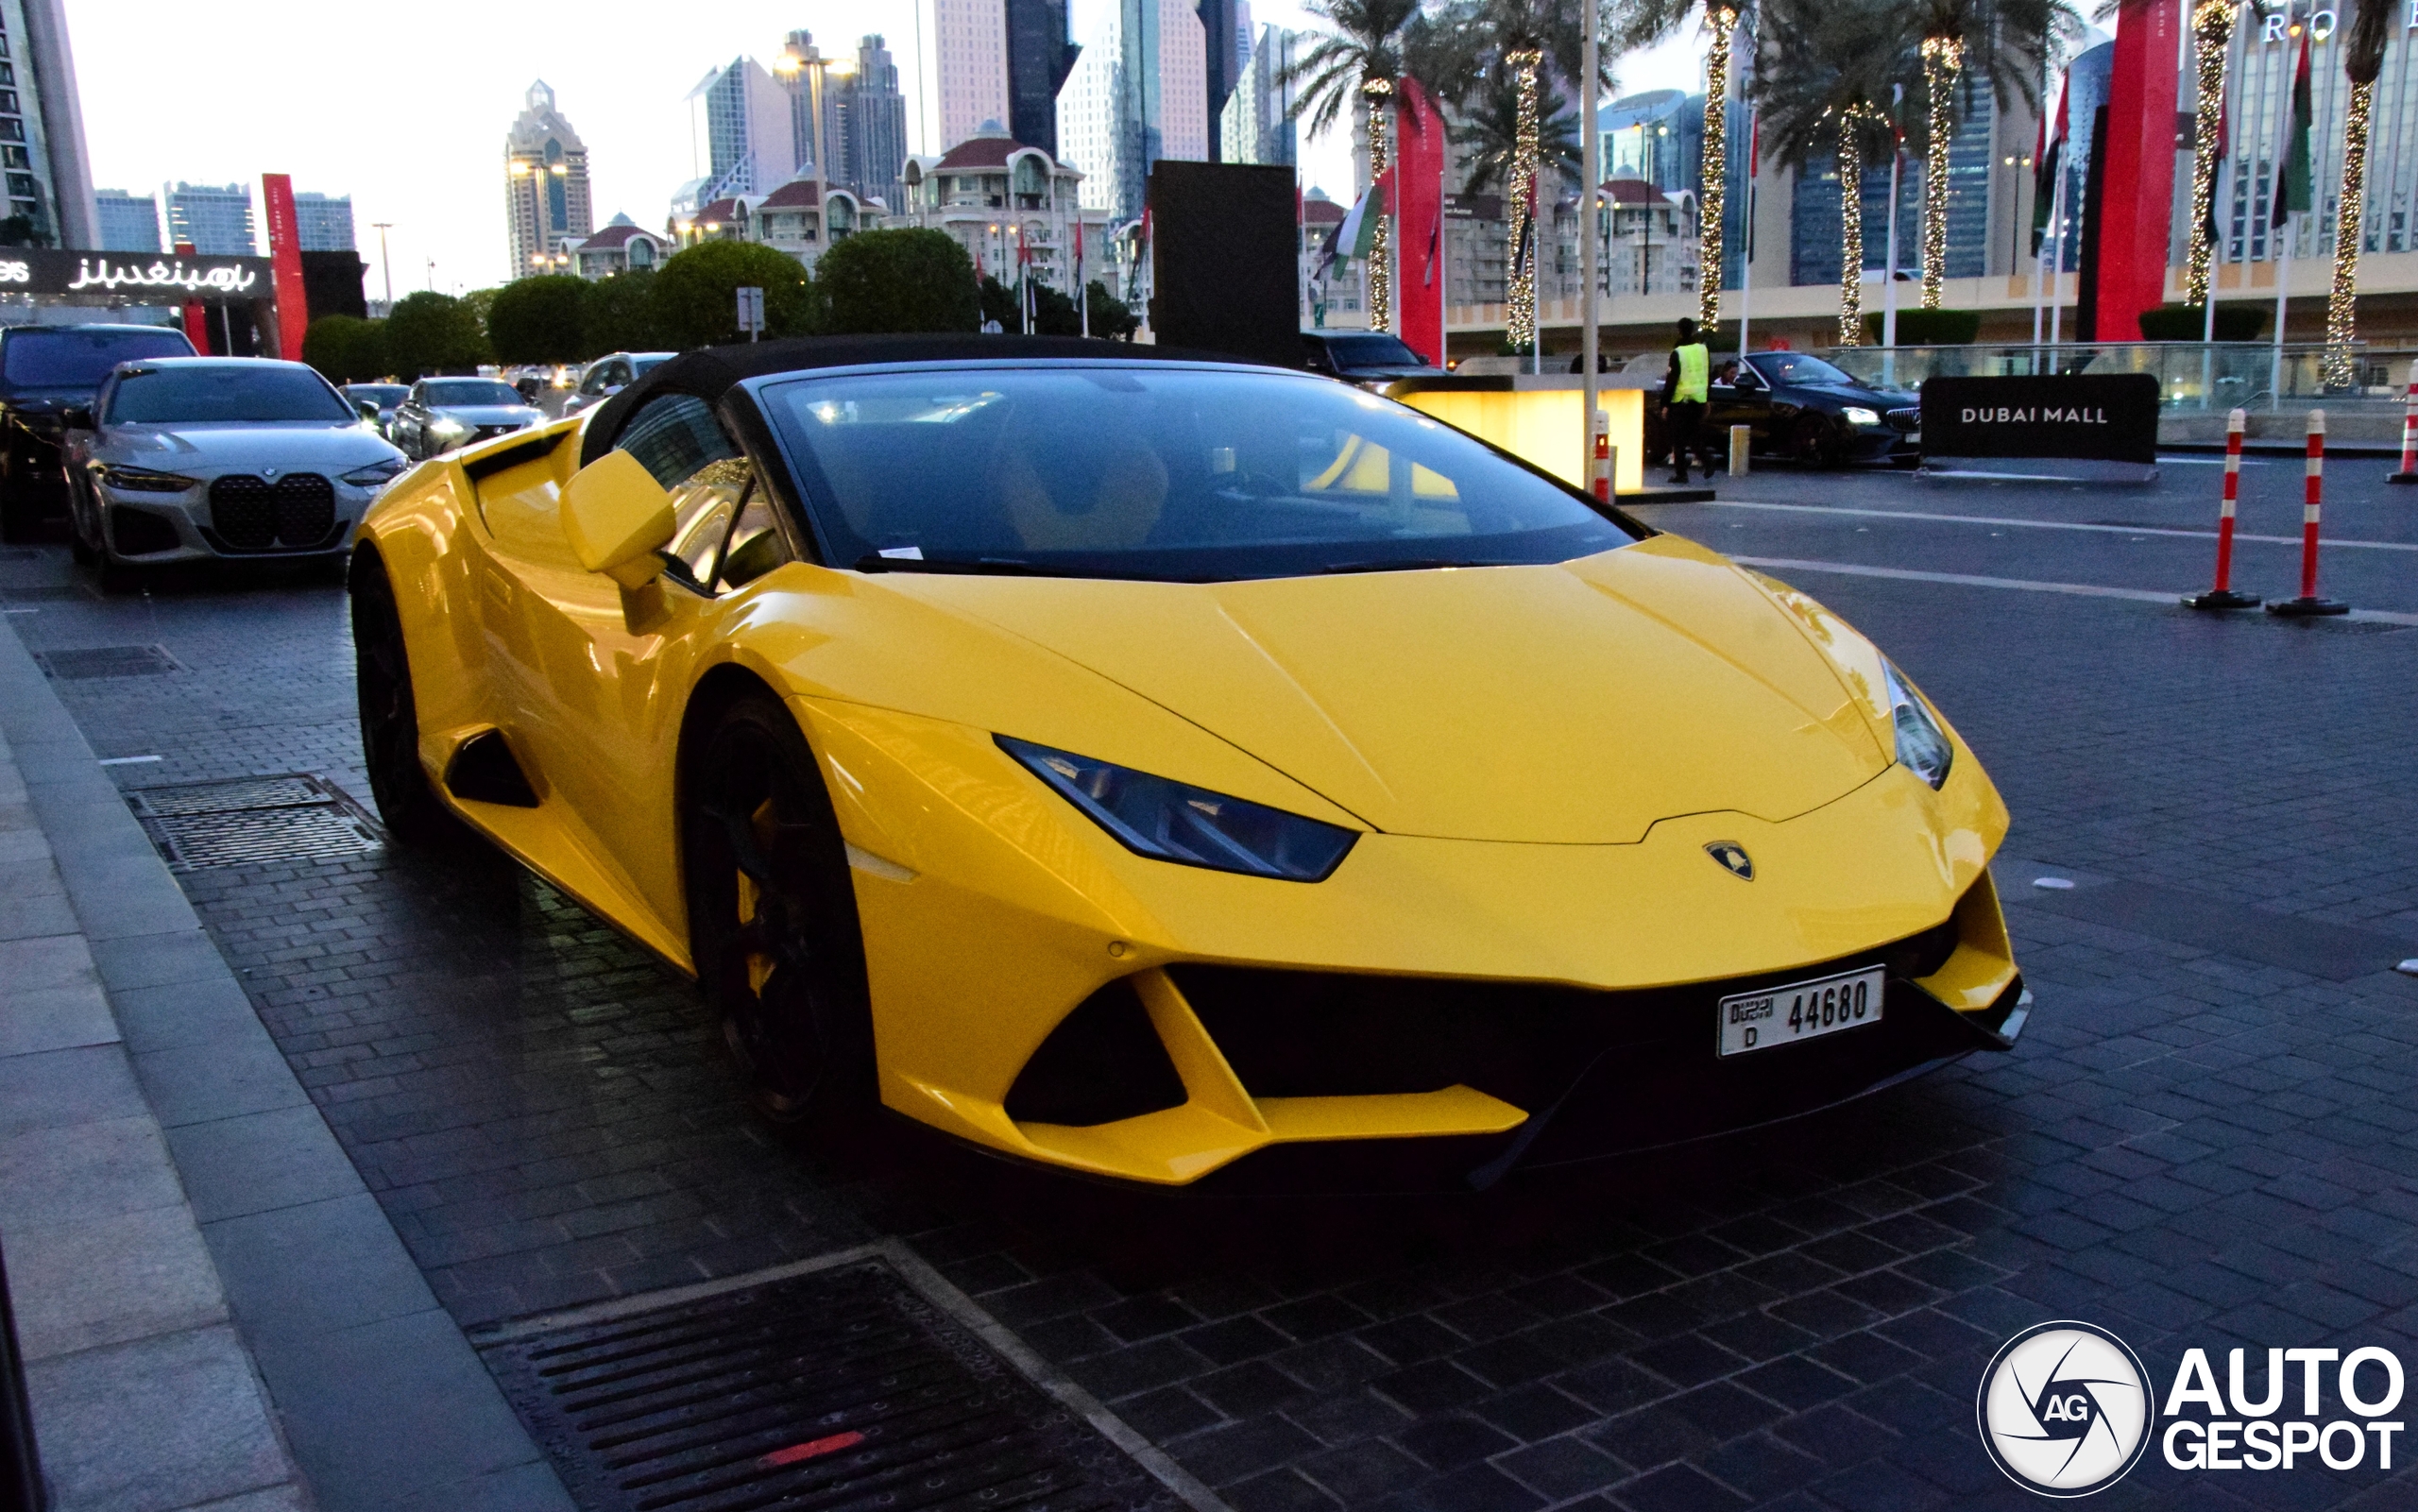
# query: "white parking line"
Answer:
x=2331 y=541
x=2087 y=590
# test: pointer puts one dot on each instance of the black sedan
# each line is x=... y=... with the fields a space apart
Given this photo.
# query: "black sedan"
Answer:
x=1804 y=409
x=45 y=371
x=440 y=414
x=1363 y=357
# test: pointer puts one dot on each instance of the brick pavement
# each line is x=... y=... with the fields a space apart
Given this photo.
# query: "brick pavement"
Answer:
x=2190 y=1148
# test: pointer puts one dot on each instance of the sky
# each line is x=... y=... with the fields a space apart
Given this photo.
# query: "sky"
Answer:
x=405 y=108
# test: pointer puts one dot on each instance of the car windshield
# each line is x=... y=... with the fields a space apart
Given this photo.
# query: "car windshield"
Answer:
x=70 y=358
x=1175 y=474
x=471 y=391
x=224 y=393
x=1796 y=368
x=383 y=394
x=643 y=366
x=1376 y=349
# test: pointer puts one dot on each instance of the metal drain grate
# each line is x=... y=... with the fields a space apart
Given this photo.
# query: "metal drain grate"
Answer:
x=288 y=818
x=84 y=662
x=840 y=1388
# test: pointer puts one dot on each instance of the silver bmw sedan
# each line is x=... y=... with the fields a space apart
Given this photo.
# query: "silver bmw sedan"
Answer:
x=202 y=458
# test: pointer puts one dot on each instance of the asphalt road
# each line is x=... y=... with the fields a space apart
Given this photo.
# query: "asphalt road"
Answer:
x=2207 y=1138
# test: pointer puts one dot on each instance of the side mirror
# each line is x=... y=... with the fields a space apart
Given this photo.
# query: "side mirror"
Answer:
x=616 y=518
x=368 y=409
x=77 y=417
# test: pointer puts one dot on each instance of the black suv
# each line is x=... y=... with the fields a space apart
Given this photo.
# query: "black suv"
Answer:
x=45 y=371
x=1370 y=357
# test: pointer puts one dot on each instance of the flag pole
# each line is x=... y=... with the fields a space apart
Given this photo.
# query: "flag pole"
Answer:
x=1593 y=180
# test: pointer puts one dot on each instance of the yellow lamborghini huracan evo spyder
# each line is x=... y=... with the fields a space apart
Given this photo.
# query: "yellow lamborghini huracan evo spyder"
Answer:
x=1156 y=767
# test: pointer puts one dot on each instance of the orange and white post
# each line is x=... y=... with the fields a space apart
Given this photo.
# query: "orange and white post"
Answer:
x=2312 y=507
x=1600 y=466
x=2409 y=472
x=2223 y=596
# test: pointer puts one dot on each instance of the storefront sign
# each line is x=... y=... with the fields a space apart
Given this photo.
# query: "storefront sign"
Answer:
x=134 y=277
x=2076 y=418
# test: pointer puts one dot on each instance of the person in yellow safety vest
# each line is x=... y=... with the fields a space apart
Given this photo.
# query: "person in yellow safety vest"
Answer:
x=1683 y=397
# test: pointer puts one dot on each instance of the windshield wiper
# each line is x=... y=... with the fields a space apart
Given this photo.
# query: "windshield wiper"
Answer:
x=992 y=566
x=1410 y=564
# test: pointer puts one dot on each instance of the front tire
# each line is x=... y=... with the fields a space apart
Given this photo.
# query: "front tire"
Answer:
x=773 y=915
x=1813 y=441
x=390 y=716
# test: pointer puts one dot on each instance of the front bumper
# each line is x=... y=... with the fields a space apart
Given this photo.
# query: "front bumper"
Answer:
x=160 y=529
x=1038 y=990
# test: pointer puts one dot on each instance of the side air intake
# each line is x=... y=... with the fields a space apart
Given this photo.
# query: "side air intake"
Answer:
x=483 y=771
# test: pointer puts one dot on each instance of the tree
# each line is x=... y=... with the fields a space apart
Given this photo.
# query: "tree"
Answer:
x=540 y=320
x=1357 y=55
x=346 y=349
x=903 y=280
x=1824 y=90
x=1490 y=130
x=1111 y=316
x=696 y=293
x=999 y=304
x=1644 y=23
x=2362 y=60
x=429 y=333
x=620 y=314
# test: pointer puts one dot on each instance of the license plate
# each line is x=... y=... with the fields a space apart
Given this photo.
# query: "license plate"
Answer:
x=1800 y=1011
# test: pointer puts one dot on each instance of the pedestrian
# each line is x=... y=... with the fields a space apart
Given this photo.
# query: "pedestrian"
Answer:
x=1684 y=397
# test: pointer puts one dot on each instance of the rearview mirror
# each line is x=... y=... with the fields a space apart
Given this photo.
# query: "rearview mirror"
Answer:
x=616 y=518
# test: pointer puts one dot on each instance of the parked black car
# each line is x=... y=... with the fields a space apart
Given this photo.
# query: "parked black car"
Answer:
x=43 y=371
x=1363 y=357
x=1801 y=408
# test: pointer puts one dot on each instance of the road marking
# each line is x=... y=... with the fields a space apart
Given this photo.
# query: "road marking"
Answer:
x=128 y=761
x=2087 y=590
x=2050 y=524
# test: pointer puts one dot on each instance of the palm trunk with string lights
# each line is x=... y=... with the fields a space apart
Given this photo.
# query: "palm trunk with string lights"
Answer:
x=2212 y=38
x=2341 y=308
x=1381 y=266
x=1850 y=230
x=1520 y=319
x=1943 y=60
x=1713 y=198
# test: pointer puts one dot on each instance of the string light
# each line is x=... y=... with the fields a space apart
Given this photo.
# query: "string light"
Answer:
x=2341 y=309
x=2212 y=36
x=1943 y=60
x=1714 y=195
x=1851 y=229
x=1381 y=263
x=1522 y=293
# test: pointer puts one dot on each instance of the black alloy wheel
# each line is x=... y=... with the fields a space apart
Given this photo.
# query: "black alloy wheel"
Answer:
x=773 y=915
x=389 y=717
x=1813 y=441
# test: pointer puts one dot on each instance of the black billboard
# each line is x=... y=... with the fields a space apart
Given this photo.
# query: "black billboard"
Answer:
x=134 y=278
x=2079 y=417
x=1225 y=275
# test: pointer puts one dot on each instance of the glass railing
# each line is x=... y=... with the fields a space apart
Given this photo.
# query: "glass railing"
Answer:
x=2193 y=376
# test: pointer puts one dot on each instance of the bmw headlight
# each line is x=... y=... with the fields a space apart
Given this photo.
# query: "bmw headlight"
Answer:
x=1173 y=822
x=378 y=474
x=1858 y=414
x=1923 y=745
x=143 y=481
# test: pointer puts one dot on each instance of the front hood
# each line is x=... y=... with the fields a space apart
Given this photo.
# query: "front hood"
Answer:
x=288 y=448
x=1871 y=399
x=1575 y=704
x=490 y=414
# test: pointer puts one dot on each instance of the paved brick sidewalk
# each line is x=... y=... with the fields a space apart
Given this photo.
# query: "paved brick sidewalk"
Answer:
x=2194 y=1144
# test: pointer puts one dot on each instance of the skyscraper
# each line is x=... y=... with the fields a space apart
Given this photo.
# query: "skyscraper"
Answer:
x=1258 y=122
x=545 y=183
x=970 y=65
x=215 y=218
x=1139 y=92
x=743 y=132
x=873 y=119
x=129 y=223
x=1041 y=53
x=47 y=172
x=325 y=222
x=1221 y=51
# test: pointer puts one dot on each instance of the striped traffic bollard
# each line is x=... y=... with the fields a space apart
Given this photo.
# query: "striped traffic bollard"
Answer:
x=1600 y=466
x=2223 y=596
x=2308 y=604
x=2409 y=472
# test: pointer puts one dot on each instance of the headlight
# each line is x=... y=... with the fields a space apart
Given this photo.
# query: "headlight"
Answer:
x=447 y=425
x=143 y=481
x=1858 y=414
x=1172 y=821
x=1923 y=745
x=378 y=474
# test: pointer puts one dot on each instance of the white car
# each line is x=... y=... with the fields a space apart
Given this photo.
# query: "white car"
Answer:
x=610 y=374
x=205 y=458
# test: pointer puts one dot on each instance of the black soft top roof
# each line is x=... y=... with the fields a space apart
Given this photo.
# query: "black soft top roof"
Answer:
x=710 y=372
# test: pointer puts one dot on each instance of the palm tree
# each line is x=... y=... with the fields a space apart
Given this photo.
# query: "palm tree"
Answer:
x=2363 y=59
x=2212 y=38
x=1644 y=23
x=1520 y=37
x=2000 y=43
x=1824 y=88
x=1359 y=56
x=1489 y=131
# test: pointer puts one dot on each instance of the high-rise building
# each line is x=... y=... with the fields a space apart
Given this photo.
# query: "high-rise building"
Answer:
x=873 y=116
x=129 y=223
x=1041 y=53
x=1223 y=27
x=545 y=183
x=215 y=219
x=46 y=170
x=743 y=132
x=1139 y=92
x=970 y=65
x=324 y=222
x=1257 y=124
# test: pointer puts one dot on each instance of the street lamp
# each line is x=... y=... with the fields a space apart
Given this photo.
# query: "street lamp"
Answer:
x=384 y=263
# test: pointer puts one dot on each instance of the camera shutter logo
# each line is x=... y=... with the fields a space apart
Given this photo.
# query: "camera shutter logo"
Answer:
x=2065 y=1409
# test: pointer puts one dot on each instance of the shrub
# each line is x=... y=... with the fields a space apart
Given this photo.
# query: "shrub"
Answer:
x=346 y=349
x=898 y=281
x=2188 y=322
x=620 y=314
x=1927 y=327
x=540 y=320
x=434 y=334
x=695 y=295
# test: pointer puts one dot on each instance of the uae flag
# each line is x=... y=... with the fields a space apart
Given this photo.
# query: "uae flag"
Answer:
x=2292 y=194
x=2048 y=156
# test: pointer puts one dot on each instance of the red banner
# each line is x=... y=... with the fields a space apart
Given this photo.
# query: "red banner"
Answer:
x=285 y=262
x=2141 y=92
x=1419 y=221
x=197 y=314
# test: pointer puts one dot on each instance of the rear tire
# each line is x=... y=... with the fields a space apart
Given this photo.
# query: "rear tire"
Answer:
x=772 y=924
x=390 y=716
